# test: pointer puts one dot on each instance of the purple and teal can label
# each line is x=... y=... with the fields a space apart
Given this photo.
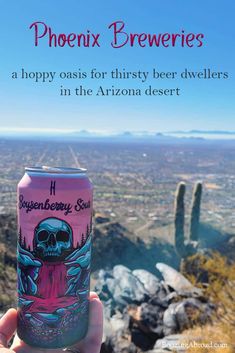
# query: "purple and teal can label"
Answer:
x=54 y=208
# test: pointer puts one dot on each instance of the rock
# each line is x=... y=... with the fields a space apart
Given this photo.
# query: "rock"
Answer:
x=141 y=340
x=126 y=288
x=177 y=281
x=123 y=345
x=151 y=319
x=101 y=286
x=163 y=298
x=108 y=309
x=150 y=282
x=171 y=297
x=172 y=343
x=115 y=325
x=156 y=350
x=148 y=318
x=101 y=218
x=117 y=335
x=139 y=309
x=120 y=287
x=231 y=241
x=107 y=329
x=119 y=323
x=185 y=314
x=169 y=320
x=190 y=247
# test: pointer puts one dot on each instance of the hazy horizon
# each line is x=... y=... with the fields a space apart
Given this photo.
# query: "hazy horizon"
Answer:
x=123 y=134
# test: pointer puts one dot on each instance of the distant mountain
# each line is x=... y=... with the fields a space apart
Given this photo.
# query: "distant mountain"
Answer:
x=83 y=133
x=205 y=132
x=125 y=136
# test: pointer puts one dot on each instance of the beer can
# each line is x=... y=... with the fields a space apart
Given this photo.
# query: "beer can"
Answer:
x=54 y=207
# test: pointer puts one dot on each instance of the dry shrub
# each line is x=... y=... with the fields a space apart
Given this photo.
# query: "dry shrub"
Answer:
x=217 y=277
x=214 y=338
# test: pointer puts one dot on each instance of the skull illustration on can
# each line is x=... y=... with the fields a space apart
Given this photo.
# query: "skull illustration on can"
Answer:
x=53 y=239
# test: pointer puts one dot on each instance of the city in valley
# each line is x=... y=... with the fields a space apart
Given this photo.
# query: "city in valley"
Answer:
x=134 y=181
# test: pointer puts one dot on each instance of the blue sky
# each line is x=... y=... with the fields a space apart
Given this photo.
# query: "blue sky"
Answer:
x=203 y=104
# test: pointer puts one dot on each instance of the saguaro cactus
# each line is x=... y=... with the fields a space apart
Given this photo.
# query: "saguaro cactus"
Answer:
x=195 y=213
x=179 y=218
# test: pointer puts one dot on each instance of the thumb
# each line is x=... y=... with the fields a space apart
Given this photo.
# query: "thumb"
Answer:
x=7 y=327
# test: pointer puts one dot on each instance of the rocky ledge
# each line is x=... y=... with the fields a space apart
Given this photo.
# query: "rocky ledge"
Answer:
x=144 y=313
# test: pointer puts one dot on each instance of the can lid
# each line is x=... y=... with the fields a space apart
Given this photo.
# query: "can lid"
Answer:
x=55 y=170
